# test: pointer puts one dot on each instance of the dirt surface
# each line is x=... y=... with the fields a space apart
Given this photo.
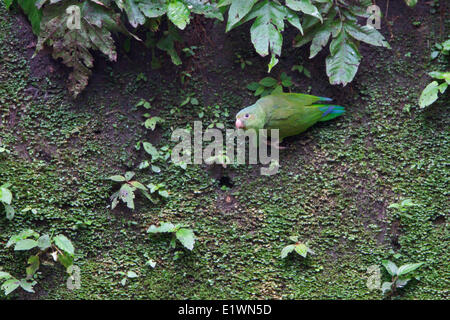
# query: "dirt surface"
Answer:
x=335 y=184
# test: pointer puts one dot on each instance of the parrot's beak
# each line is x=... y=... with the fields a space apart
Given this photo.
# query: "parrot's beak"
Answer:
x=239 y=124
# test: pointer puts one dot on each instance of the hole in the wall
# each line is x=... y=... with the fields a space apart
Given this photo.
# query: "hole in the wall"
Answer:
x=226 y=181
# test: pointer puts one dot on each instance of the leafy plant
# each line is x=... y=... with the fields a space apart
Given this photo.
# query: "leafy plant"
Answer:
x=430 y=94
x=403 y=206
x=399 y=275
x=98 y=20
x=338 y=20
x=301 y=69
x=6 y=199
x=242 y=61
x=269 y=85
x=58 y=248
x=299 y=247
x=129 y=275
x=151 y=122
x=269 y=22
x=30 y=9
x=10 y=283
x=179 y=231
x=127 y=190
x=441 y=49
x=4 y=150
x=159 y=189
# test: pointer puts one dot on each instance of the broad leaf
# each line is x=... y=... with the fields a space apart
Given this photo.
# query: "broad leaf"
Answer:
x=10 y=285
x=164 y=227
x=34 y=263
x=44 y=242
x=429 y=94
x=25 y=244
x=64 y=244
x=117 y=178
x=238 y=10
x=366 y=34
x=390 y=267
x=304 y=6
x=286 y=250
x=407 y=268
x=5 y=195
x=301 y=249
x=178 y=13
x=344 y=59
x=186 y=237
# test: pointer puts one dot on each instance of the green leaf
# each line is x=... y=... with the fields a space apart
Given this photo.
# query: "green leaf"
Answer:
x=204 y=8
x=8 y=3
x=27 y=286
x=129 y=175
x=253 y=86
x=34 y=263
x=386 y=287
x=135 y=16
x=151 y=263
x=411 y=3
x=5 y=195
x=343 y=61
x=22 y=235
x=366 y=34
x=126 y=194
x=4 y=275
x=10 y=285
x=73 y=45
x=320 y=40
x=440 y=75
x=65 y=259
x=64 y=244
x=132 y=274
x=33 y=13
x=164 y=227
x=429 y=94
x=407 y=268
x=44 y=242
x=163 y=193
x=286 y=250
x=268 y=82
x=273 y=62
x=390 y=267
x=138 y=185
x=400 y=283
x=117 y=178
x=301 y=249
x=266 y=30
x=237 y=11
x=304 y=6
x=151 y=150
x=178 y=13
x=152 y=8
x=25 y=244
x=151 y=123
x=186 y=237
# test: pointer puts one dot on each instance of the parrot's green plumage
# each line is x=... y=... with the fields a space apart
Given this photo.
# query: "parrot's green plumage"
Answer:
x=291 y=113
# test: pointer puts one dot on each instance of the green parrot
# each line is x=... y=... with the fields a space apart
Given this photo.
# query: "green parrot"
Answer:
x=291 y=113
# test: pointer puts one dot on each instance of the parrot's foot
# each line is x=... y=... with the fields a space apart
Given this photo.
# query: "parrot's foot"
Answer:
x=276 y=144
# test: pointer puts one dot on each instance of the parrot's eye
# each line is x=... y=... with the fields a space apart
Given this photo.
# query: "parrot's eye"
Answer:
x=247 y=115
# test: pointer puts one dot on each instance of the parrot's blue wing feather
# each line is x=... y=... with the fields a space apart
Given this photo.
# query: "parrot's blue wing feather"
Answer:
x=330 y=111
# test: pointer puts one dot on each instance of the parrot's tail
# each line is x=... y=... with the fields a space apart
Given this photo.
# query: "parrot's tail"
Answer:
x=330 y=111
